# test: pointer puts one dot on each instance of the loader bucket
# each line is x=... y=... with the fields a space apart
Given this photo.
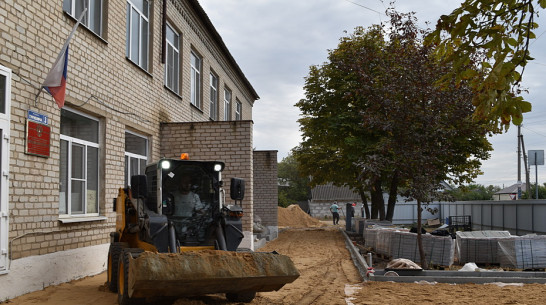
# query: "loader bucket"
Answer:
x=209 y=271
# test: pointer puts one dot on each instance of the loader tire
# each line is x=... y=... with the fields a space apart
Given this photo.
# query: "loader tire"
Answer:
x=123 y=276
x=241 y=297
x=113 y=261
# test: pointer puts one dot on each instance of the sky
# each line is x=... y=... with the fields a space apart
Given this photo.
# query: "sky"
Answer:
x=276 y=41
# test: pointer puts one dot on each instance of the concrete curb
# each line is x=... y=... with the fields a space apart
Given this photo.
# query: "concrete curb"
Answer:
x=358 y=260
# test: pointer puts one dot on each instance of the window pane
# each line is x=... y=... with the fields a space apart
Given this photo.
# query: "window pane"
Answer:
x=144 y=45
x=135 y=20
x=3 y=81
x=135 y=144
x=77 y=126
x=80 y=5
x=95 y=12
x=77 y=197
x=145 y=8
x=171 y=35
x=176 y=72
x=126 y=171
x=92 y=179
x=77 y=161
x=141 y=5
x=67 y=6
x=134 y=166
x=169 y=66
x=213 y=96
x=63 y=179
x=193 y=94
x=142 y=167
x=128 y=32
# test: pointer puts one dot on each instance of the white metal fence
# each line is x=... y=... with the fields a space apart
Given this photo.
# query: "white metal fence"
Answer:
x=518 y=217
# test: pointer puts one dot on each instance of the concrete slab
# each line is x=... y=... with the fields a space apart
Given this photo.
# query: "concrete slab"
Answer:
x=460 y=277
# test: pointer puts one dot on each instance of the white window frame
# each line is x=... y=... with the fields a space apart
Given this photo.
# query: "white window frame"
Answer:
x=69 y=6
x=172 y=61
x=195 y=90
x=227 y=104
x=71 y=141
x=213 y=96
x=143 y=24
x=130 y=156
x=4 y=172
x=238 y=110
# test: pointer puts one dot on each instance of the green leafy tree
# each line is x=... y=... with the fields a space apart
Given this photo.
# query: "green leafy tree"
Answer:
x=498 y=34
x=293 y=186
x=473 y=192
x=532 y=192
x=375 y=107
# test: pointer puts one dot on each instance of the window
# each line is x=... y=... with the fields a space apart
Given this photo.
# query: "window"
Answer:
x=213 y=96
x=92 y=18
x=137 y=32
x=238 y=110
x=136 y=155
x=195 y=80
x=172 y=58
x=79 y=161
x=5 y=98
x=227 y=104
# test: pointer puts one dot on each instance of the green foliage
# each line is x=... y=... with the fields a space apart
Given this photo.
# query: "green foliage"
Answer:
x=473 y=192
x=532 y=194
x=374 y=111
x=496 y=35
x=293 y=187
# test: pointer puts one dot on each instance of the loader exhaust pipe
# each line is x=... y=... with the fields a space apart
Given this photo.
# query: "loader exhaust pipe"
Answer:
x=220 y=237
x=172 y=239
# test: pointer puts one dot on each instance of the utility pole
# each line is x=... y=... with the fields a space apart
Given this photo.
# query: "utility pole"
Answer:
x=519 y=162
x=527 y=182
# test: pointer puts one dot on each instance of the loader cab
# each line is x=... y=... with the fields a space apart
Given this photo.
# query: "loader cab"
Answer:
x=188 y=193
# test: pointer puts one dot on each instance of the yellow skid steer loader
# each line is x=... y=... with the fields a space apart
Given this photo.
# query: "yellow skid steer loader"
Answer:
x=175 y=236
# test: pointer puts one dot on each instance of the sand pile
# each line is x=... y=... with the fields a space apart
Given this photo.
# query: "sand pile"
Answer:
x=293 y=216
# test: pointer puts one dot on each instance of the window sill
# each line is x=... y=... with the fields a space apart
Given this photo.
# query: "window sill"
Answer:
x=69 y=219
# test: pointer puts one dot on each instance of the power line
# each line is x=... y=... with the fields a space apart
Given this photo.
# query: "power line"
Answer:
x=365 y=7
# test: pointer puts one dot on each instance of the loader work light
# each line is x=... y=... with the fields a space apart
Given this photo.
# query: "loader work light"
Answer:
x=217 y=167
x=165 y=164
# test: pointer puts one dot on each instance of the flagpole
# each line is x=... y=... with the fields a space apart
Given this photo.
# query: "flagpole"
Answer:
x=63 y=49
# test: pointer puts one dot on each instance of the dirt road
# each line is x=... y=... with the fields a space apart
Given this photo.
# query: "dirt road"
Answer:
x=328 y=276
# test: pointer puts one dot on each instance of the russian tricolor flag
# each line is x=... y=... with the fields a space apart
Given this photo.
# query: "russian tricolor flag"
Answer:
x=55 y=82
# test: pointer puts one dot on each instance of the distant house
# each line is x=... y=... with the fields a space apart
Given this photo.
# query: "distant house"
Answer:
x=509 y=193
x=322 y=196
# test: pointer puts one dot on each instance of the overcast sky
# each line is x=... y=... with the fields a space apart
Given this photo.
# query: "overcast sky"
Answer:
x=276 y=41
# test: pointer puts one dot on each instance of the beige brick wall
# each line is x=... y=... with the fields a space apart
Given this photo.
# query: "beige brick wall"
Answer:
x=106 y=85
x=266 y=196
x=229 y=142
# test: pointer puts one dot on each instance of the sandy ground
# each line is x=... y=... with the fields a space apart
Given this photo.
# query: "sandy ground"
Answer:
x=328 y=276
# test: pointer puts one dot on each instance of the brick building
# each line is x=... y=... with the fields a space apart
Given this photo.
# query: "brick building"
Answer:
x=146 y=79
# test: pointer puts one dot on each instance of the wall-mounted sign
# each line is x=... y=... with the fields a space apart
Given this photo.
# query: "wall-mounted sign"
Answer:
x=38 y=139
x=37 y=117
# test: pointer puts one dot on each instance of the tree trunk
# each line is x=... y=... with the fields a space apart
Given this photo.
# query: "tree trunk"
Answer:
x=364 y=202
x=378 y=204
x=393 y=196
x=422 y=255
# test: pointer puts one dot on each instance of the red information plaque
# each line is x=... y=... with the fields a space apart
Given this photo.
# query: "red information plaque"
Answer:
x=38 y=136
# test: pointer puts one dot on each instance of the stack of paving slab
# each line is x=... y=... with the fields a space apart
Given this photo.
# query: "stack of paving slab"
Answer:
x=439 y=250
x=379 y=238
x=399 y=243
x=523 y=252
x=480 y=247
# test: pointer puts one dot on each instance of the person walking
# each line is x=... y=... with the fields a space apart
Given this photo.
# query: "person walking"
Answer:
x=334 y=208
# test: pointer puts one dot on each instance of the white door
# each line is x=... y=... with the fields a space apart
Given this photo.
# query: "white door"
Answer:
x=5 y=96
